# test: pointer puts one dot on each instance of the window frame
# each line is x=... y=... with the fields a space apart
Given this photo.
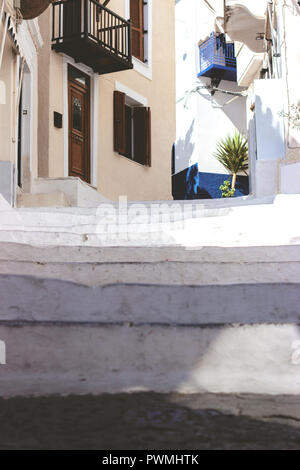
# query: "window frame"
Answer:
x=134 y=100
x=144 y=67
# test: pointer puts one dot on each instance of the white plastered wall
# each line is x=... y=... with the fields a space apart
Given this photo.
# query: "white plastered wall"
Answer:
x=24 y=48
x=7 y=119
x=289 y=12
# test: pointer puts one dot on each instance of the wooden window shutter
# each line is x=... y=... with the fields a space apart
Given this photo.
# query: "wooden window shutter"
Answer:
x=119 y=122
x=142 y=135
x=137 y=20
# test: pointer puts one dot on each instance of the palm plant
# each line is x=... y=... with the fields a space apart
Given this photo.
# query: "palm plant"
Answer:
x=232 y=153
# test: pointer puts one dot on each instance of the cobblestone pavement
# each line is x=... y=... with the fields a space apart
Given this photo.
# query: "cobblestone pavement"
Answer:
x=151 y=421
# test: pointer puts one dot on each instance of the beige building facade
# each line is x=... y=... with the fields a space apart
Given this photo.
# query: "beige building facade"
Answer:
x=110 y=123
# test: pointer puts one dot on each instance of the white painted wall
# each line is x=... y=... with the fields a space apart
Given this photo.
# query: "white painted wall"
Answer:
x=266 y=135
x=269 y=102
x=272 y=138
x=199 y=125
x=289 y=12
x=29 y=39
x=21 y=44
x=266 y=178
x=249 y=65
x=290 y=179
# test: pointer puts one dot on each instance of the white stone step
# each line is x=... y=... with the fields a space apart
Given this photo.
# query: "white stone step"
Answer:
x=98 y=255
x=77 y=192
x=55 y=199
x=63 y=359
x=64 y=338
x=159 y=273
x=161 y=266
x=256 y=225
x=25 y=298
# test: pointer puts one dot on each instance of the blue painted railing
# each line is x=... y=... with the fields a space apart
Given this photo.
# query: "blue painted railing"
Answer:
x=217 y=58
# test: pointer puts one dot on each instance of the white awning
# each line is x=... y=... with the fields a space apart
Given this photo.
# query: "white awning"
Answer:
x=13 y=30
x=9 y=21
x=242 y=25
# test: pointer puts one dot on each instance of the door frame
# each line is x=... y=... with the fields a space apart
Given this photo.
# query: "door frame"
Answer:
x=24 y=129
x=94 y=112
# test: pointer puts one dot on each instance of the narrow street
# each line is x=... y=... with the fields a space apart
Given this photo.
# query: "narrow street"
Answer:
x=149 y=226
x=148 y=421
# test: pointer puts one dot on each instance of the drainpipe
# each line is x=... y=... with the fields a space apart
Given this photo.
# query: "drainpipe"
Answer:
x=225 y=16
x=209 y=6
x=275 y=53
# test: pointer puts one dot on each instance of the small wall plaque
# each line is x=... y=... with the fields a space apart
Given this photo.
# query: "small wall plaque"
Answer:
x=58 y=120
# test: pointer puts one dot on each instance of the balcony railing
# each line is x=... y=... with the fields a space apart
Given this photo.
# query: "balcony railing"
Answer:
x=217 y=58
x=92 y=34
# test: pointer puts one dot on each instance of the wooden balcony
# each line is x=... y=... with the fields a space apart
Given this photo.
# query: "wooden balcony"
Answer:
x=92 y=34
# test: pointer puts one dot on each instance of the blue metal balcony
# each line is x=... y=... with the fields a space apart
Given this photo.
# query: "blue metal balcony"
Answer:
x=217 y=59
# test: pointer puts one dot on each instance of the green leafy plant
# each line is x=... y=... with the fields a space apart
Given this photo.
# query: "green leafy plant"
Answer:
x=232 y=153
x=226 y=190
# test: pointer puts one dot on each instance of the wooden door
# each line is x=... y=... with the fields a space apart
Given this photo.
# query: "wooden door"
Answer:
x=79 y=125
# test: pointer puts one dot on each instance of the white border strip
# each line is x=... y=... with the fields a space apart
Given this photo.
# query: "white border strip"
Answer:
x=131 y=93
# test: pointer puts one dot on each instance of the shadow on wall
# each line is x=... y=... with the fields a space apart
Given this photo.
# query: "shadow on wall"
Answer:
x=192 y=184
x=184 y=148
x=235 y=111
x=186 y=185
x=269 y=132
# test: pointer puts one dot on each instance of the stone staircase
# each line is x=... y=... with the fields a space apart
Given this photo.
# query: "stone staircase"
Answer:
x=149 y=224
x=105 y=302
x=60 y=192
x=174 y=266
